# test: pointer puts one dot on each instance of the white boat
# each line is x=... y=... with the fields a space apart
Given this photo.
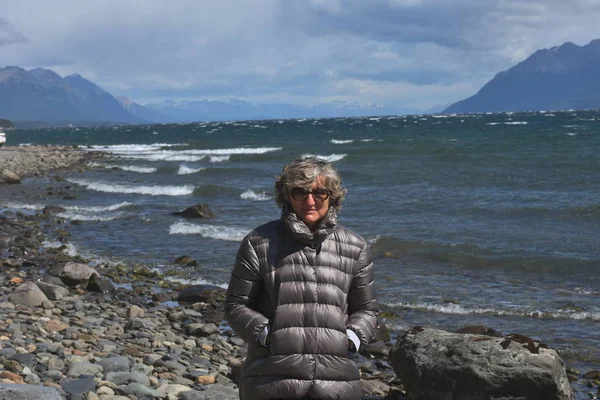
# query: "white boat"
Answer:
x=2 y=138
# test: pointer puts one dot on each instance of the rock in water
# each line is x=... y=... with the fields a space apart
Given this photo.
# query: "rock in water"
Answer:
x=197 y=211
x=435 y=364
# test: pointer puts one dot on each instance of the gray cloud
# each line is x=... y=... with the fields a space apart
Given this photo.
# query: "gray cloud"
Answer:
x=406 y=52
x=9 y=35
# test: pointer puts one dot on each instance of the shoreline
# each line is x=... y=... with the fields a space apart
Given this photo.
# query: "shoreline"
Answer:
x=138 y=337
x=18 y=162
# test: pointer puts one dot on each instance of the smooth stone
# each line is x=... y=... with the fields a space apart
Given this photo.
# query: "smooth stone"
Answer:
x=115 y=364
x=139 y=390
x=123 y=378
x=28 y=392
x=83 y=368
x=28 y=294
x=78 y=387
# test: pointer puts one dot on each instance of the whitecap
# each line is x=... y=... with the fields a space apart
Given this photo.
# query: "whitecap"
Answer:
x=132 y=168
x=132 y=148
x=195 y=282
x=89 y=217
x=208 y=231
x=23 y=206
x=366 y=140
x=184 y=170
x=254 y=196
x=457 y=309
x=69 y=248
x=164 y=155
x=112 y=207
x=236 y=150
x=133 y=189
x=219 y=158
x=329 y=158
x=516 y=123
x=343 y=141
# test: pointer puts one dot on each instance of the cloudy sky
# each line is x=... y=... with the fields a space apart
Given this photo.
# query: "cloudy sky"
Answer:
x=399 y=53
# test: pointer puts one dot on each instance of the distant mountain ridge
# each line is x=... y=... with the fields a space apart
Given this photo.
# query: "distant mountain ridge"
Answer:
x=559 y=78
x=43 y=95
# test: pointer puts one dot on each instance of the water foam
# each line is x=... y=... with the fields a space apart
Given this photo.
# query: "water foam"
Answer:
x=88 y=217
x=22 y=206
x=133 y=189
x=164 y=155
x=184 y=170
x=460 y=310
x=341 y=141
x=255 y=196
x=208 y=231
x=69 y=248
x=132 y=168
x=215 y=159
x=329 y=158
x=112 y=207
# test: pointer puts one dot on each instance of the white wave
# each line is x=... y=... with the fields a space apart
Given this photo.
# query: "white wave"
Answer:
x=184 y=170
x=69 y=248
x=492 y=123
x=516 y=123
x=195 y=282
x=571 y=134
x=373 y=240
x=132 y=168
x=208 y=231
x=460 y=310
x=254 y=196
x=366 y=140
x=133 y=189
x=219 y=158
x=345 y=141
x=89 y=217
x=112 y=207
x=133 y=148
x=329 y=158
x=237 y=150
x=22 y=206
x=164 y=155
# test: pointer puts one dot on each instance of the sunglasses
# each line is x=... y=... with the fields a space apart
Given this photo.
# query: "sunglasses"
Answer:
x=301 y=194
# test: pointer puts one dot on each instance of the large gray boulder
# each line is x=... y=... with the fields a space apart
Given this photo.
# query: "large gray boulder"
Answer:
x=435 y=364
x=74 y=274
x=28 y=294
x=28 y=392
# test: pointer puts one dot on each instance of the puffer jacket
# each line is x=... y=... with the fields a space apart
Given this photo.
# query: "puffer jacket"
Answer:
x=308 y=289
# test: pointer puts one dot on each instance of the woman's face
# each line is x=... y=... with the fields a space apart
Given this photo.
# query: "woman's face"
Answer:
x=311 y=210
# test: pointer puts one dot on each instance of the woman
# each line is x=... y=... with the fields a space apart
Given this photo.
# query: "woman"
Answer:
x=301 y=293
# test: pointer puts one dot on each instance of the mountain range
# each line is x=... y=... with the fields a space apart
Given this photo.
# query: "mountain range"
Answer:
x=29 y=97
x=559 y=78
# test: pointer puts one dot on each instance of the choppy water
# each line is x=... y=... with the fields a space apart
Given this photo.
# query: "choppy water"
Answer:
x=473 y=219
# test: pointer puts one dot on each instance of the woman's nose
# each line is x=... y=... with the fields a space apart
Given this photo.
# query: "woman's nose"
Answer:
x=310 y=199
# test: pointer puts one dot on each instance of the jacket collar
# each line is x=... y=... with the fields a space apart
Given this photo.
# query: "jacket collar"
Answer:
x=300 y=231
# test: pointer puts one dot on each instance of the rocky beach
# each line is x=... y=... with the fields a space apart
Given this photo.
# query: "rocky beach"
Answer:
x=111 y=332
x=75 y=328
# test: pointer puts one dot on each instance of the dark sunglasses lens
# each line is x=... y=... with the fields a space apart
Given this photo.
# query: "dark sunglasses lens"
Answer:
x=299 y=194
x=320 y=194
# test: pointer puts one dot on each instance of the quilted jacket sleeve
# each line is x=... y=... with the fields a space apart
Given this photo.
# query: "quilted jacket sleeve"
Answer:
x=245 y=285
x=362 y=303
